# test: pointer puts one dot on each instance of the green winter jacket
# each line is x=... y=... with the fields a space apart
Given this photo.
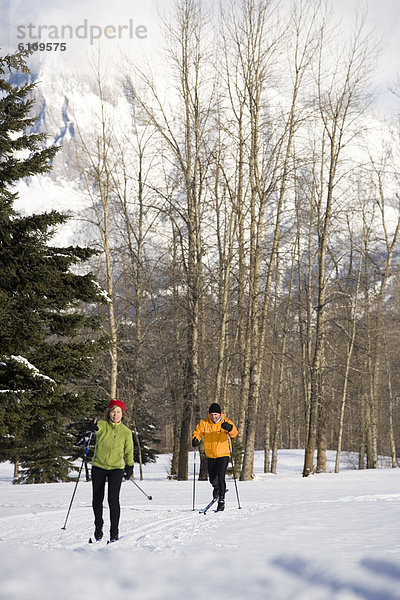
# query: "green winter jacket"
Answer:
x=114 y=446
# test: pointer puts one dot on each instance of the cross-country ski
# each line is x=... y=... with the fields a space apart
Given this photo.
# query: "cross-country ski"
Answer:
x=204 y=510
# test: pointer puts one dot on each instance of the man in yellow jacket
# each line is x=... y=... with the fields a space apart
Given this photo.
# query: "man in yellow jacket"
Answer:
x=215 y=431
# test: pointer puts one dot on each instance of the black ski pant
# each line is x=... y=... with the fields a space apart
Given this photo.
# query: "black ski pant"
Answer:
x=216 y=473
x=99 y=477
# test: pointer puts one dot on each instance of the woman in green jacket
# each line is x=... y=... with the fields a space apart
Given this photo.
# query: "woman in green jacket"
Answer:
x=112 y=460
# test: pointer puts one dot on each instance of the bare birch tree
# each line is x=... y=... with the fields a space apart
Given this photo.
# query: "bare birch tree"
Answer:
x=340 y=84
x=352 y=297
x=184 y=128
x=96 y=161
x=377 y=366
x=258 y=39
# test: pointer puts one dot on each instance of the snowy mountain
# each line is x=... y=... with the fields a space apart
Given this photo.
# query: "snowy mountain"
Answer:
x=58 y=190
x=68 y=106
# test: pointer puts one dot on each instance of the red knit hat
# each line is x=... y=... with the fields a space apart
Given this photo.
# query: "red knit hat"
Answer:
x=117 y=403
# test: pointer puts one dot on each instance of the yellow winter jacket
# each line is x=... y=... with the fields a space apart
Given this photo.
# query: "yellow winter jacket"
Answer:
x=216 y=442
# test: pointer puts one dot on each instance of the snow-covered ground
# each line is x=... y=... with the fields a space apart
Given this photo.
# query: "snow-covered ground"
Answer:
x=330 y=536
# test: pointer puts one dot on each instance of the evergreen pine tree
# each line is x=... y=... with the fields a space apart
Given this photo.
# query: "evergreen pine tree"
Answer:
x=48 y=343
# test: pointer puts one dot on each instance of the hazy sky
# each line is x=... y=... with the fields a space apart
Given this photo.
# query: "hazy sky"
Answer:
x=383 y=18
x=132 y=26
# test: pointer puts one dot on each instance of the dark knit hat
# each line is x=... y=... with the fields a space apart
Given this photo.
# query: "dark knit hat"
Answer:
x=117 y=403
x=214 y=408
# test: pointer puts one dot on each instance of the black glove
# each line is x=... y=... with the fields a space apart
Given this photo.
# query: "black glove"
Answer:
x=128 y=472
x=227 y=426
x=92 y=426
x=195 y=442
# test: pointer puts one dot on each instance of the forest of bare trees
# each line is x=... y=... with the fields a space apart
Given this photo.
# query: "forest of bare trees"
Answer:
x=248 y=216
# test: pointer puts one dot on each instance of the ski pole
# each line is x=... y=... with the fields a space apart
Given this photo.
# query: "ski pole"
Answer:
x=194 y=478
x=233 y=469
x=77 y=481
x=138 y=486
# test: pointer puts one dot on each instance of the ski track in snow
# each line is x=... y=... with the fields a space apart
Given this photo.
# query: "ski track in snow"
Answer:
x=326 y=537
x=168 y=530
